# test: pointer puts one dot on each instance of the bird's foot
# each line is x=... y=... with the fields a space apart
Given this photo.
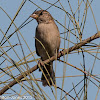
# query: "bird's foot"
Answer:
x=62 y=53
x=40 y=65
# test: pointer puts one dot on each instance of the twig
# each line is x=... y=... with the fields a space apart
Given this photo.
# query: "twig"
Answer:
x=63 y=52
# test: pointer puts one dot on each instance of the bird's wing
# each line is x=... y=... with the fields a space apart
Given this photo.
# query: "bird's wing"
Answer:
x=36 y=48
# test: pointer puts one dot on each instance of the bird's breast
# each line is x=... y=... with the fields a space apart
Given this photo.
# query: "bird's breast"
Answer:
x=47 y=31
x=48 y=35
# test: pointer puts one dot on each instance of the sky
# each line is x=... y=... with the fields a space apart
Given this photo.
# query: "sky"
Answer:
x=28 y=33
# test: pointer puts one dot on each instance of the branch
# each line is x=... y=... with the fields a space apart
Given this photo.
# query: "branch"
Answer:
x=63 y=52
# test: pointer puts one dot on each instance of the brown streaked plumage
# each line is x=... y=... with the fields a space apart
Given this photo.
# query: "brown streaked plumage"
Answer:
x=47 y=41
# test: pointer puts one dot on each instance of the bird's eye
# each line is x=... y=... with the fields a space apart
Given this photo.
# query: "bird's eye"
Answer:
x=41 y=13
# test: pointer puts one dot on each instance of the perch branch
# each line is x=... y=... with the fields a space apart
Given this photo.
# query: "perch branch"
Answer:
x=63 y=52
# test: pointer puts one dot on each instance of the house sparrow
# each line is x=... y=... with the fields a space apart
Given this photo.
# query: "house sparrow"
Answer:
x=47 y=42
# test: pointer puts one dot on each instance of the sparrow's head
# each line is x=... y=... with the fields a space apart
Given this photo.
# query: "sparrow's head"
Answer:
x=42 y=16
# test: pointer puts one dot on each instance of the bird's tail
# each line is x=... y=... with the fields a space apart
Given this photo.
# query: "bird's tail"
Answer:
x=49 y=77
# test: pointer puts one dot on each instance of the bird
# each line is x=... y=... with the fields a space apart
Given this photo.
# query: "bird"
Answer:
x=47 y=43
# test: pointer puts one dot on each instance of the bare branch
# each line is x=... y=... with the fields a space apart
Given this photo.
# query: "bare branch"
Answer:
x=63 y=52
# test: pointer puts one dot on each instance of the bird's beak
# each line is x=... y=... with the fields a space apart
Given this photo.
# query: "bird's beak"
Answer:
x=34 y=16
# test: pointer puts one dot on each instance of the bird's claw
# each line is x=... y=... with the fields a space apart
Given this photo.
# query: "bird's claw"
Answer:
x=40 y=65
x=62 y=52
